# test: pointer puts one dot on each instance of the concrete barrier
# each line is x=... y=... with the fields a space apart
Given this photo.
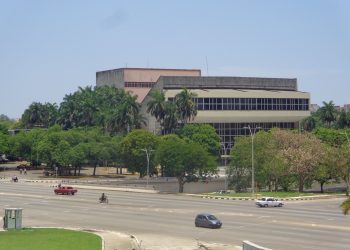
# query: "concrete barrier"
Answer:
x=247 y=245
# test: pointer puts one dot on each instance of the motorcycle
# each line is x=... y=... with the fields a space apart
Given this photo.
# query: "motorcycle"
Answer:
x=103 y=200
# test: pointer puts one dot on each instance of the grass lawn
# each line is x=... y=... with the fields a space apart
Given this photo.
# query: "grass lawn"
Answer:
x=49 y=238
x=267 y=194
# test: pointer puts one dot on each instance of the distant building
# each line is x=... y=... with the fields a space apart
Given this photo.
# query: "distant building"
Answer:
x=228 y=103
x=346 y=107
x=314 y=108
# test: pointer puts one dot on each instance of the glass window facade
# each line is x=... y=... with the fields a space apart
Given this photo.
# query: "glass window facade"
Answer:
x=251 y=103
x=228 y=131
x=139 y=84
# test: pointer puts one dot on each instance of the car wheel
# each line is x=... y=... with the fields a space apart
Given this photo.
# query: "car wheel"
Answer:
x=72 y=193
x=266 y=205
x=280 y=204
x=196 y=224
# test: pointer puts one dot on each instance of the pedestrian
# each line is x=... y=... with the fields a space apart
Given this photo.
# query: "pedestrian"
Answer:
x=20 y=170
x=25 y=171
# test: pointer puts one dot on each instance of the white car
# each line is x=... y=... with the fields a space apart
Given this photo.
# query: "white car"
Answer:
x=268 y=202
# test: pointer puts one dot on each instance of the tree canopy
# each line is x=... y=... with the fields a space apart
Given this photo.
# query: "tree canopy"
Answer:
x=184 y=159
x=133 y=153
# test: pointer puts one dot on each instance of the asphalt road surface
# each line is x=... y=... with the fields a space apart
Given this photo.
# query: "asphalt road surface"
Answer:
x=317 y=224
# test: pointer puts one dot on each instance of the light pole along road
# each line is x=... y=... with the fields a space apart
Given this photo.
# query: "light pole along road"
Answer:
x=300 y=225
x=252 y=134
x=148 y=155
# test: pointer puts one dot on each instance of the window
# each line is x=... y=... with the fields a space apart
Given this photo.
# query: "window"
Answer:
x=250 y=103
x=219 y=104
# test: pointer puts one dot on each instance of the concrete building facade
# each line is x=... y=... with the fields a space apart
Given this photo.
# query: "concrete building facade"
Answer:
x=228 y=103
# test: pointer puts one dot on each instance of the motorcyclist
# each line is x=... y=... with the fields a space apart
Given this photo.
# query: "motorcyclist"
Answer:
x=103 y=198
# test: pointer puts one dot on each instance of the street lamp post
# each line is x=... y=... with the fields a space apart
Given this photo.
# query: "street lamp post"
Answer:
x=148 y=155
x=225 y=161
x=252 y=134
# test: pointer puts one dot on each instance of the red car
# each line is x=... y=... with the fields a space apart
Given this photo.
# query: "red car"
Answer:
x=65 y=190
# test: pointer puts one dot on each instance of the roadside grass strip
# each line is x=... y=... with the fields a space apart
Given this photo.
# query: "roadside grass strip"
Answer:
x=49 y=238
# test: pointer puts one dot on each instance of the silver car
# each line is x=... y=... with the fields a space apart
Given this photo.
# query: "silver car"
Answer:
x=207 y=220
x=268 y=202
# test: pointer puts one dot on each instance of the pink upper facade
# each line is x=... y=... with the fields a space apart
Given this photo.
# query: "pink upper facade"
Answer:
x=142 y=75
x=152 y=75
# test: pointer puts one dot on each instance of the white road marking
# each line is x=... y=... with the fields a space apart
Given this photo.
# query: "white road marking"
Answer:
x=237 y=214
x=264 y=216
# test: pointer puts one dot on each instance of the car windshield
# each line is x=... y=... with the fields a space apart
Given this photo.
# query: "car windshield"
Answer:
x=211 y=217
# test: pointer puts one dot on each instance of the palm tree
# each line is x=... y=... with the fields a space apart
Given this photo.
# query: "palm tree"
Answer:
x=328 y=113
x=38 y=114
x=170 y=120
x=156 y=106
x=186 y=107
x=346 y=206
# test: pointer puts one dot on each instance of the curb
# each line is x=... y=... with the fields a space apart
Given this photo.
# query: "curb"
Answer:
x=281 y=199
x=54 y=183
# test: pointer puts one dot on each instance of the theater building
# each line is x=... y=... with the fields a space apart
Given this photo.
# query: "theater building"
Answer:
x=230 y=104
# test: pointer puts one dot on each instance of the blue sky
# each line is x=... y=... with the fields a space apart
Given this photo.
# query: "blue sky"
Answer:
x=50 y=48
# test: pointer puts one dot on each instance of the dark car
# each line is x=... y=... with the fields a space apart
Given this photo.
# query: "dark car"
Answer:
x=207 y=220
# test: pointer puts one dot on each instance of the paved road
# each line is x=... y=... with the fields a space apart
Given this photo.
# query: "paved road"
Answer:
x=315 y=224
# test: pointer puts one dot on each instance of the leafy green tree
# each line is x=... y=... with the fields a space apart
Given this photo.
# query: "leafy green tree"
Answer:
x=77 y=157
x=326 y=170
x=270 y=165
x=343 y=120
x=346 y=206
x=203 y=134
x=240 y=166
x=342 y=165
x=309 y=123
x=328 y=113
x=186 y=107
x=61 y=153
x=97 y=154
x=132 y=153
x=4 y=118
x=183 y=160
x=4 y=145
x=302 y=153
x=331 y=136
x=6 y=123
x=270 y=169
x=21 y=145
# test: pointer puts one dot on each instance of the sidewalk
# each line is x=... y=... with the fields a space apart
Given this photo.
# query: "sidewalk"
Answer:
x=54 y=183
x=119 y=241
